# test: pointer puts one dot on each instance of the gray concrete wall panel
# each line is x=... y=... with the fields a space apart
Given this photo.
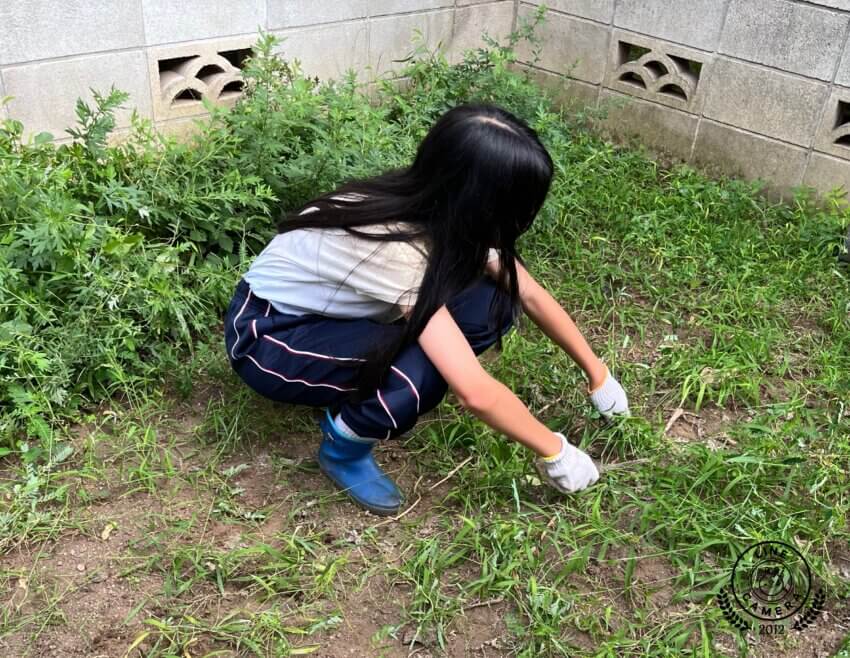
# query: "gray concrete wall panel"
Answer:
x=36 y=30
x=601 y=11
x=169 y=21
x=792 y=37
x=572 y=46
x=343 y=46
x=696 y=23
x=660 y=128
x=391 y=38
x=729 y=150
x=51 y=107
x=471 y=22
x=294 y=13
x=764 y=101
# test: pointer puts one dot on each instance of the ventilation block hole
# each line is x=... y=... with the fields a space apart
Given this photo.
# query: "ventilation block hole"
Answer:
x=657 y=68
x=187 y=95
x=173 y=63
x=236 y=57
x=209 y=70
x=842 y=116
x=687 y=65
x=674 y=90
x=633 y=79
x=843 y=141
x=232 y=89
x=629 y=52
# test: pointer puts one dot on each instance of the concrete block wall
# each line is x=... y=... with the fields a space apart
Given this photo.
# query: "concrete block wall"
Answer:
x=755 y=88
x=168 y=54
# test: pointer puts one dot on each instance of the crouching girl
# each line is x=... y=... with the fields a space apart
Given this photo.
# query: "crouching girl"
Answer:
x=375 y=298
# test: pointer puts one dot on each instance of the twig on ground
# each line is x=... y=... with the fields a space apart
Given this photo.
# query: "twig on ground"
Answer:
x=398 y=516
x=677 y=414
x=545 y=407
x=451 y=473
x=612 y=467
x=481 y=604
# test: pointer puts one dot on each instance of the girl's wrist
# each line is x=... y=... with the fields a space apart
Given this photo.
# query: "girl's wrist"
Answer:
x=596 y=375
x=550 y=447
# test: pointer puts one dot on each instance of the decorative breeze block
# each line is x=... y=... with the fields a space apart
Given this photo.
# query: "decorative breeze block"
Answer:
x=656 y=71
x=182 y=77
x=189 y=79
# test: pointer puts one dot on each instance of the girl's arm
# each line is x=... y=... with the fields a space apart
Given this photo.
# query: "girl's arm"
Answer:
x=556 y=323
x=566 y=467
x=607 y=395
x=487 y=398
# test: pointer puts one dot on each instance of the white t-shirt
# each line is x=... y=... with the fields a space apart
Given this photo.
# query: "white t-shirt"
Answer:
x=333 y=273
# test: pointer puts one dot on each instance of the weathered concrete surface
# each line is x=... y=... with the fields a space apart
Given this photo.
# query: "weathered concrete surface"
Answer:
x=471 y=22
x=51 y=107
x=571 y=94
x=32 y=31
x=343 y=46
x=4 y=113
x=834 y=4
x=391 y=38
x=826 y=173
x=764 y=66
x=797 y=38
x=842 y=77
x=572 y=46
x=168 y=21
x=725 y=149
x=596 y=10
x=383 y=7
x=293 y=13
x=695 y=23
x=660 y=128
x=764 y=101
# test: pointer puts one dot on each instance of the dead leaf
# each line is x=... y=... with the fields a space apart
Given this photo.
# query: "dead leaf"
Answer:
x=107 y=530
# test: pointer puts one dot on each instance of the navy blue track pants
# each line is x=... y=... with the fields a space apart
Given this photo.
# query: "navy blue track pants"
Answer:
x=308 y=359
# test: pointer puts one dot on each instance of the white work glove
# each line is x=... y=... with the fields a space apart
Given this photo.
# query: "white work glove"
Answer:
x=570 y=470
x=609 y=398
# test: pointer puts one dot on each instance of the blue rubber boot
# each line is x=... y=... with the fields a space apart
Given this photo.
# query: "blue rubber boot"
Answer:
x=350 y=465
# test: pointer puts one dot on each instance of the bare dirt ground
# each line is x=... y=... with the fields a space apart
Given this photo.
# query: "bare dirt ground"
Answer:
x=87 y=591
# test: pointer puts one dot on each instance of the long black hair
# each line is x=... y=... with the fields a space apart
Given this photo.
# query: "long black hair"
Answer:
x=478 y=180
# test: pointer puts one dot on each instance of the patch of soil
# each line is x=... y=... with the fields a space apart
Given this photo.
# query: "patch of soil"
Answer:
x=706 y=426
x=95 y=610
x=88 y=593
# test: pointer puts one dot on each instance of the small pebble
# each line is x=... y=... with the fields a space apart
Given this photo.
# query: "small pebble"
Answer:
x=81 y=567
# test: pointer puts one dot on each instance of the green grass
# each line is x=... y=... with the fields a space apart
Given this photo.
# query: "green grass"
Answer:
x=204 y=505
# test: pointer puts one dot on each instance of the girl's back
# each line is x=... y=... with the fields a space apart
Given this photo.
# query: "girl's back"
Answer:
x=333 y=273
